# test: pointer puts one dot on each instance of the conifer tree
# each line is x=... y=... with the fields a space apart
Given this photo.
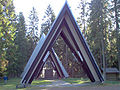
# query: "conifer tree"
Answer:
x=83 y=15
x=33 y=31
x=7 y=31
x=17 y=63
x=48 y=20
x=117 y=29
x=98 y=33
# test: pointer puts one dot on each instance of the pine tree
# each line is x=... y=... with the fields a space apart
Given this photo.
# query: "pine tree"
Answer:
x=33 y=26
x=83 y=15
x=98 y=33
x=47 y=20
x=7 y=30
x=21 y=39
x=117 y=24
x=19 y=59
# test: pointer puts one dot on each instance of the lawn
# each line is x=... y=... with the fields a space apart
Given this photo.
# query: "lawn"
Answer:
x=41 y=82
x=82 y=80
x=11 y=84
x=112 y=82
x=76 y=80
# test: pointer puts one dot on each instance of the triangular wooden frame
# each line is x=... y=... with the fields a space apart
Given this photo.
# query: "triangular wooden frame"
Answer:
x=66 y=26
x=57 y=65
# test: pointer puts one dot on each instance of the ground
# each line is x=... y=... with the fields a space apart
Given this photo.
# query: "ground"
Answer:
x=63 y=84
x=111 y=87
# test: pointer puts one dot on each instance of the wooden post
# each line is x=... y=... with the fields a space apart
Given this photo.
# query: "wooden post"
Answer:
x=66 y=55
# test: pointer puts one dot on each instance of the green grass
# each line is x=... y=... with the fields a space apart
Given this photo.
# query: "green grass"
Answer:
x=76 y=80
x=112 y=82
x=11 y=84
x=81 y=81
x=41 y=82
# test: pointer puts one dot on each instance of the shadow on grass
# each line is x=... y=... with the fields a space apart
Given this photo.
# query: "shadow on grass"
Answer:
x=76 y=80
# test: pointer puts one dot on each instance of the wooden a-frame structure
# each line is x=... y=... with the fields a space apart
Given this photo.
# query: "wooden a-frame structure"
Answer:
x=66 y=27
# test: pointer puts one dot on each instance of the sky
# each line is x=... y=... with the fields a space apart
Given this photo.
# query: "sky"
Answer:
x=25 y=6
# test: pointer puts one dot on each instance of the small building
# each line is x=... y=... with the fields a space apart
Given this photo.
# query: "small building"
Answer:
x=48 y=71
x=112 y=74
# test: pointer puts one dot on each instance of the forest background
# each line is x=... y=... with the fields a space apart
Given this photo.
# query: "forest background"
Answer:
x=98 y=20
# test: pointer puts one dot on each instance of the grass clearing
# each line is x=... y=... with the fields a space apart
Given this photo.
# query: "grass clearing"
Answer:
x=112 y=82
x=11 y=84
x=76 y=80
x=82 y=80
x=41 y=82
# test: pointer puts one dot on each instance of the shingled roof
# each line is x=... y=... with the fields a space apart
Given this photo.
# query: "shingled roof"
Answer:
x=111 y=70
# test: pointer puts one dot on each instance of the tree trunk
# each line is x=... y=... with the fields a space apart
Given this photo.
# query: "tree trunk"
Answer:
x=117 y=34
x=102 y=40
x=103 y=56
